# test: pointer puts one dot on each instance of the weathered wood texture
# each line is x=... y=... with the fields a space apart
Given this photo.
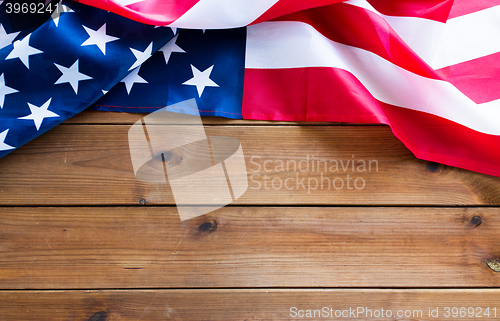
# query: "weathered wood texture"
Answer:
x=258 y=304
x=90 y=165
x=149 y=247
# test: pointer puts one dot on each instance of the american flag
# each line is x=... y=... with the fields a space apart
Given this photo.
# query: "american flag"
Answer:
x=64 y=66
x=428 y=69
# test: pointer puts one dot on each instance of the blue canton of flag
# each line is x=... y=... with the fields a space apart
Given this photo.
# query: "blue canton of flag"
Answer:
x=64 y=66
x=208 y=65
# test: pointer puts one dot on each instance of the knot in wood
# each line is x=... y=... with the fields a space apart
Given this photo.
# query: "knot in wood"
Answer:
x=434 y=167
x=208 y=226
x=494 y=265
x=476 y=220
x=99 y=316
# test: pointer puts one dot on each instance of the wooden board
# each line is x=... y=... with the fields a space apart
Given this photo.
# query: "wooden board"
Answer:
x=149 y=247
x=257 y=304
x=90 y=165
x=102 y=117
x=82 y=239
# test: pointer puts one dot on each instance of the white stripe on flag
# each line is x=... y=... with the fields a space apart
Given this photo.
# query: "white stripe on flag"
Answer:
x=287 y=44
x=469 y=37
x=222 y=14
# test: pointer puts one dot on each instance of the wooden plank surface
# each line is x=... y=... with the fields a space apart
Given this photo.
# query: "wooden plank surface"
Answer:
x=90 y=165
x=257 y=304
x=102 y=117
x=149 y=247
x=386 y=245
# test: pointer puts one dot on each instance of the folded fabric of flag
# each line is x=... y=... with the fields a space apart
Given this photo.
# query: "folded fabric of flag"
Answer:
x=428 y=69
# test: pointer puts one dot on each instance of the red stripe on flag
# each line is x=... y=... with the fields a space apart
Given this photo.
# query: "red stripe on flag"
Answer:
x=164 y=15
x=433 y=138
x=358 y=27
x=477 y=79
x=463 y=7
x=166 y=10
x=308 y=94
x=329 y=94
x=437 y=10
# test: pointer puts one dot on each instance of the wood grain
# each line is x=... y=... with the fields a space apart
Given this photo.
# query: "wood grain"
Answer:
x=236 y=304
x=90 y=165
x=247 y=261
x=149 y=247
x=119 y=118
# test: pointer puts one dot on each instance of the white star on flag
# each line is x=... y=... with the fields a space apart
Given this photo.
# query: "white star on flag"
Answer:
x=6 y=38
x=99 y=38
x=71 y=75
x=60 y=9
x=141 y=56
x=171 y=47
x=23 y=50
x=4 y=146
x=4 y=90
x=201 y=79
x=38 y=114
x=133 y=78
